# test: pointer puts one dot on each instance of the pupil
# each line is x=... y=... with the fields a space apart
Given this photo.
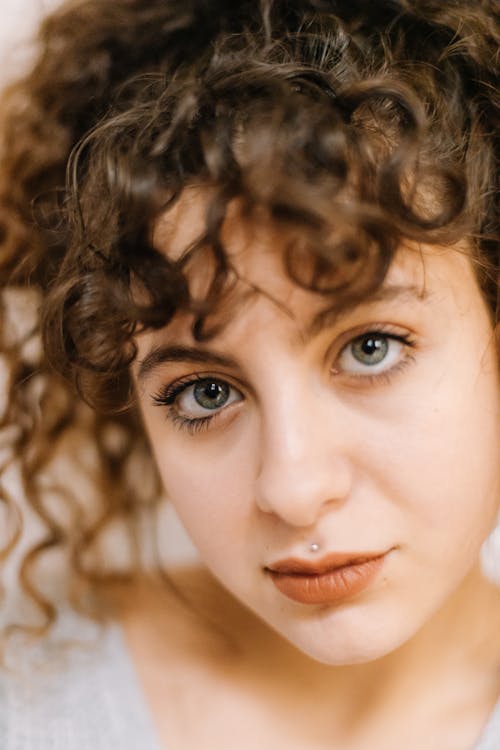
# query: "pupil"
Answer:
x=370 y=346
x=210 y=394
x=212 y=390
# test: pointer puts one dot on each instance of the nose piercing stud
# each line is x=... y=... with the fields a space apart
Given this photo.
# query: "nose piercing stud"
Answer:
x=314 y=547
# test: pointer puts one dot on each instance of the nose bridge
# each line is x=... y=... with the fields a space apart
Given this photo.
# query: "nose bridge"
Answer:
x=303 y=465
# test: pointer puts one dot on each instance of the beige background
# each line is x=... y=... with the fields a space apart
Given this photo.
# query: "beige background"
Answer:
x=18 y=19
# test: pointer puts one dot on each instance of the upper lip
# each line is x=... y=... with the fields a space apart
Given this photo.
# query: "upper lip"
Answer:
x=294 y=565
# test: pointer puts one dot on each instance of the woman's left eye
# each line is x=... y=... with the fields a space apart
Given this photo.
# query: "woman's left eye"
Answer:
x=372 y=353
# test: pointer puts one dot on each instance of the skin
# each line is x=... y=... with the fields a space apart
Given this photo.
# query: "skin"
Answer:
x=316 y=446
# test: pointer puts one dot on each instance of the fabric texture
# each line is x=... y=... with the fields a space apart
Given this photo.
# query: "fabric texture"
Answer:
x=87 y=696
x=75 y=697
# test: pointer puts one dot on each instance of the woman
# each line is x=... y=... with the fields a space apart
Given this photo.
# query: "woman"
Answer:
x=273 y=272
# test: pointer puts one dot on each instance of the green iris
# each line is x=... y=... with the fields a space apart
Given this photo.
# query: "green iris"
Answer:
x=211 y=394
x=370 y=350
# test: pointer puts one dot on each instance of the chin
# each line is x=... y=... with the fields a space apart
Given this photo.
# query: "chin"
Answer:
x=336 y=644
x=337 y=656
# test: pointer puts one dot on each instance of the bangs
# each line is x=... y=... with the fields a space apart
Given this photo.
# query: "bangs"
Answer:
x=306 y=133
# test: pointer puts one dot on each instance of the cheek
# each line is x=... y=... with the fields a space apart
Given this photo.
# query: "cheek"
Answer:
x=446 y=468
x=211 y=495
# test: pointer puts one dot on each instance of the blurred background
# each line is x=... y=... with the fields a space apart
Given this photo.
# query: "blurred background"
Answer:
x=19 y=20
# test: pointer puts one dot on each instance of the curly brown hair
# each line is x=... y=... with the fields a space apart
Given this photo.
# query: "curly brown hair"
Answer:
x=350 y=124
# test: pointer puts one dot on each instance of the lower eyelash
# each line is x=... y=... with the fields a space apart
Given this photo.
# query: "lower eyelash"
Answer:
x=192 y=426
x=387 y=375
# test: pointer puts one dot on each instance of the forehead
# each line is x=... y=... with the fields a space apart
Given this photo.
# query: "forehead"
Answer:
x=244 y=236
x=254 y=246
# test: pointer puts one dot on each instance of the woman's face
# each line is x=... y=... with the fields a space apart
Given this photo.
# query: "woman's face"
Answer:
x=377 y=434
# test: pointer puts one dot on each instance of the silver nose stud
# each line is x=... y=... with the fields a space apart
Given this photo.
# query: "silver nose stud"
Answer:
x=314 y=547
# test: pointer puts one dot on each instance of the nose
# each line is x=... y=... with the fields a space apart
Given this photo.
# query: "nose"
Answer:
x=304 y=466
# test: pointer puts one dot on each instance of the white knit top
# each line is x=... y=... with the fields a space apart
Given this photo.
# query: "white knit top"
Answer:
x=88 y=697
x=82 y=697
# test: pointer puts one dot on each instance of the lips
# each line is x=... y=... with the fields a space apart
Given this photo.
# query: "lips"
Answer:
x=332 y=579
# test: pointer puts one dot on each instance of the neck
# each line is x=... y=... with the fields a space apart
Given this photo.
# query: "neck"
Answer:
x=453 y=661
x=450 y=665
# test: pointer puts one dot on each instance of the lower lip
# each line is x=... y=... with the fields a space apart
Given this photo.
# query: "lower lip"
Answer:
x=330 y=587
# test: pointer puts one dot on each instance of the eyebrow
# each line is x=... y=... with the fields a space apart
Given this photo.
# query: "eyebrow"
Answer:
x=163 y=353
x=394 y=292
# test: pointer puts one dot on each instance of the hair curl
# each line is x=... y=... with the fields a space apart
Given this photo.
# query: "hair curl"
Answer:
x=351 y=125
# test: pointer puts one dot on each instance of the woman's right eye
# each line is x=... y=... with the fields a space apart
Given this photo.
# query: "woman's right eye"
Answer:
x=204 y=397
x=198 y=399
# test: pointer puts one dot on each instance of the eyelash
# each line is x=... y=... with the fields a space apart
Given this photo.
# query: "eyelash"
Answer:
x=168 y=394
x=192 y=426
